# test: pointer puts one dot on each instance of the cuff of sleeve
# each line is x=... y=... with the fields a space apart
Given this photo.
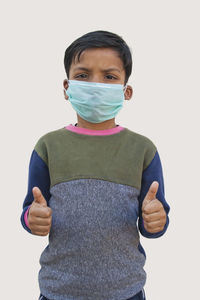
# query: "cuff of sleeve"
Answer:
x=153 y=235
x=26 y=217
x=22 y=218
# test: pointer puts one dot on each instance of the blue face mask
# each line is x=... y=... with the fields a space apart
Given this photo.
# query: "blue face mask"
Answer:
x=95 y=102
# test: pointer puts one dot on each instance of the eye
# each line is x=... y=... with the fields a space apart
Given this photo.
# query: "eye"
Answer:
x=110 y=77
x=83 y=75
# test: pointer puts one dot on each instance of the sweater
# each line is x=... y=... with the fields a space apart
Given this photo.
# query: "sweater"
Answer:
x=95 y=182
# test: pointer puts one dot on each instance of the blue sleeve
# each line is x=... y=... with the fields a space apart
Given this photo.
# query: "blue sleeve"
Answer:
x=153 y=173
x=38 y=176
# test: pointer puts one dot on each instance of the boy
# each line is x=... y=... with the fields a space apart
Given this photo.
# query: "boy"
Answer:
x=90 y=183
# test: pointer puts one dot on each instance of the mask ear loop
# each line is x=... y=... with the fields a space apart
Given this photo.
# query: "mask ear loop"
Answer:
x=124 y=88
x=64 y=90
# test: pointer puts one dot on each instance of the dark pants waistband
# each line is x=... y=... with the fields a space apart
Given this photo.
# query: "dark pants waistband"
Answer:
x=139 y=296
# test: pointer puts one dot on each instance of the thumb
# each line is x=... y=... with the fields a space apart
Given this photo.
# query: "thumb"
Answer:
x=151 y=194
x=38 y=197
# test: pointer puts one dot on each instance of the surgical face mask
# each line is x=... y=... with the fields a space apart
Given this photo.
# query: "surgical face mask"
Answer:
x=95 y=102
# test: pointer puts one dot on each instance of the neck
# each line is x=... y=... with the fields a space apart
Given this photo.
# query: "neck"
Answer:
x=108 y=124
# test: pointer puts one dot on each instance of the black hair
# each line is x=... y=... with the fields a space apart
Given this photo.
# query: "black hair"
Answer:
x=99 y=39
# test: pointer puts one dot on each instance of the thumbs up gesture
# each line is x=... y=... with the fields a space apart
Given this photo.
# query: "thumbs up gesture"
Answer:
x=39 y=215
x=153 y=212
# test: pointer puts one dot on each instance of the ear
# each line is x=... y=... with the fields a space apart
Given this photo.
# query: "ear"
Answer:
x=128 y=92
x=65 y=85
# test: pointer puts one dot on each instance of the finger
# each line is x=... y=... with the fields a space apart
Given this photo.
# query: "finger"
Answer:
x=152 y=207
x=41 y=229
x=41 y=212
x=155 y=230
x=38 y=197
x=154 y=226
x=40 y=233
x=42 y=221
x=151 y=194
x=153 y=217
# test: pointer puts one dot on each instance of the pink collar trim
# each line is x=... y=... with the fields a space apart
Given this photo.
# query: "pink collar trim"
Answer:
x=93 y=131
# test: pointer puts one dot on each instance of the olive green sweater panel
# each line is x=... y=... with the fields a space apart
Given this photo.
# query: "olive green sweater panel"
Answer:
x=119 y=158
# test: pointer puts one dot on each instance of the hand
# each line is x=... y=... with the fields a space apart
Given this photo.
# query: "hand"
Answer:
x=153 y=212
x=39 y=215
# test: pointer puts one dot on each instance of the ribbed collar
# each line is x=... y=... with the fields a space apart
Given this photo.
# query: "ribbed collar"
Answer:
x=87 y=131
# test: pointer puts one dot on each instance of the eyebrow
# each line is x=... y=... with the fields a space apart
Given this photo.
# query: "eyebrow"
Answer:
x=104 y=70
x=112 y=69
x=80 y=68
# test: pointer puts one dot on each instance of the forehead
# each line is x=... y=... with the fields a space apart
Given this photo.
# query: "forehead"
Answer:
x=104 y=57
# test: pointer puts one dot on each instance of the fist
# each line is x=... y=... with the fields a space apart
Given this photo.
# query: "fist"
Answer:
x=153 y=212
x=39 y=215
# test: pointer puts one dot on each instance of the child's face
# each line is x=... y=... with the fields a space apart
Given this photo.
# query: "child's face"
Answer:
x=99 y=65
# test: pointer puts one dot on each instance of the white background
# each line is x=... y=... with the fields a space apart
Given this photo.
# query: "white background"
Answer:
x=164 y=39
